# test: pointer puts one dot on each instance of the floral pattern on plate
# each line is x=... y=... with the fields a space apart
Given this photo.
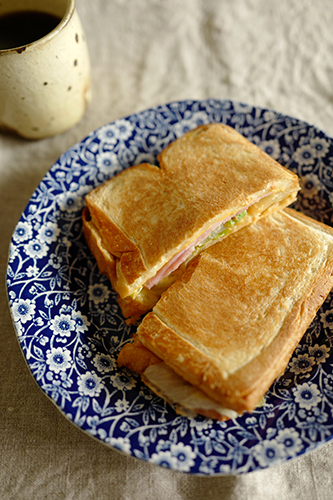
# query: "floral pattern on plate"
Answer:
x=70 y=327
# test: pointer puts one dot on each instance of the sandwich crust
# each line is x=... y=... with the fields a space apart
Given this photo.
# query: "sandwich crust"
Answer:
x=146 y=214
x=232 y=322
x=105 y=260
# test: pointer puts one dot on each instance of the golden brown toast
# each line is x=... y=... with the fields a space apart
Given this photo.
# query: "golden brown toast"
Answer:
x=145 y=216
x=230 y=324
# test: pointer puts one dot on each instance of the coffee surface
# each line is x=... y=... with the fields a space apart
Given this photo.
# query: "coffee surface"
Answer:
x=24 y=27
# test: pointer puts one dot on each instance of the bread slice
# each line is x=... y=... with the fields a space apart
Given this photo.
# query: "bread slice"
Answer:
x=230 y=324
x=146 y=216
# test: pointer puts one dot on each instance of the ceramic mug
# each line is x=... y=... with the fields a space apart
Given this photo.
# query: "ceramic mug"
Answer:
x=44 y=83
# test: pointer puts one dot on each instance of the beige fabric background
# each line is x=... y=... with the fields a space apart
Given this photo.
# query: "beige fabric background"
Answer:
x=276 y=54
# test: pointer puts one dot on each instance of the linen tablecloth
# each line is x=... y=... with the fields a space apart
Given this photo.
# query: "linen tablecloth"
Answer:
x=276 y=55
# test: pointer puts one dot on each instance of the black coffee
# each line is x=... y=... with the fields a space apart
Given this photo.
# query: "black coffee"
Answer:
x=24 y=27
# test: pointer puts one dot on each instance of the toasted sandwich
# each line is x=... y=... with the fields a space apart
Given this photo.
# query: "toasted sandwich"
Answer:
x=145 y=224
x=223 y=332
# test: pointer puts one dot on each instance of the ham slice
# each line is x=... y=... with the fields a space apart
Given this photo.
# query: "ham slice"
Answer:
x=181 y=256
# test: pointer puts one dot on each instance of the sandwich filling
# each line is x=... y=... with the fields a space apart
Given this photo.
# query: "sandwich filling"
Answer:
x=185 y=398
x=218 y=231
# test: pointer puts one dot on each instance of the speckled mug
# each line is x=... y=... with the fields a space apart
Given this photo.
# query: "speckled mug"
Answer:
x=45 y=85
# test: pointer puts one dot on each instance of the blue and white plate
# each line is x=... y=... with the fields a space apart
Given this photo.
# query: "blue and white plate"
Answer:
x=70 y=327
